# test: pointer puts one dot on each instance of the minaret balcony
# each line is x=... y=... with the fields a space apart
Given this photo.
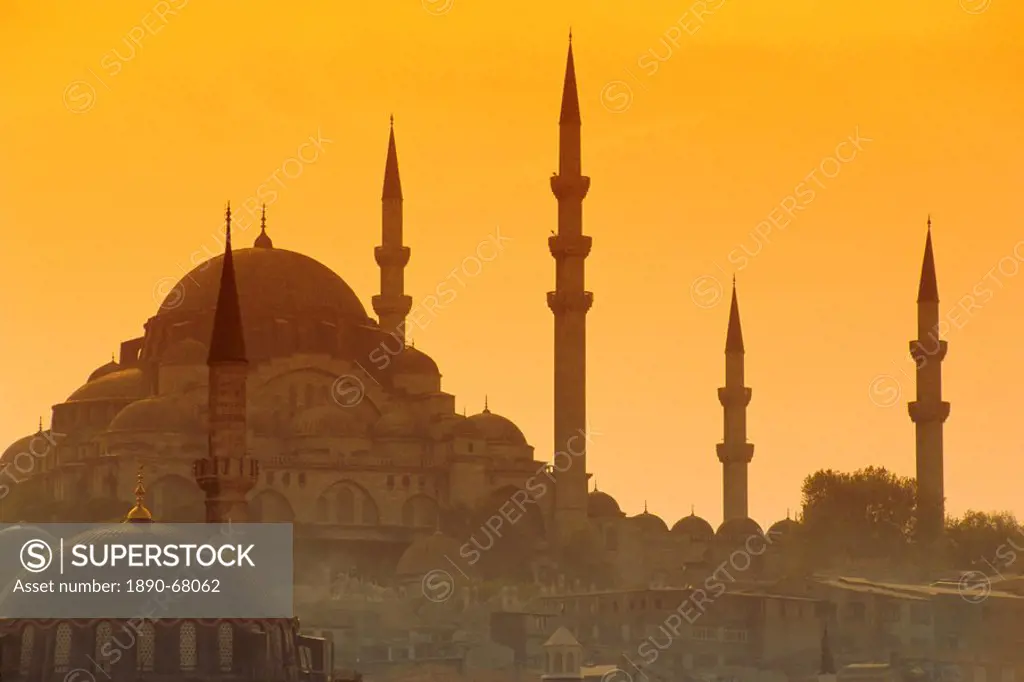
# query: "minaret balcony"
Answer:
x=924 y=352
x=735 y=453
x=735 y=396
x=928 y=412
x=570 y=187
x=389 y=304
x=570 y=302
x=569 y=246
x=392 y=256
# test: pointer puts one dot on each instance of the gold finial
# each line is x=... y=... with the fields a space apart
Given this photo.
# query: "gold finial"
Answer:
x=139 y=513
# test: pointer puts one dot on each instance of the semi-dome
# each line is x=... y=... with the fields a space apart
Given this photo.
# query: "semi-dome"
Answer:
x=739 y=528
x=104 y=370
x=158 y=414
x=602 y=505
x=426 y=554
x=497 y=429
x=412 y=361
x=125 y=383
x=396 y=423
x=329 y=421
x=185 y=353
x=270 y=282
x=648 y=522
x=785 y=527
x=695 y=528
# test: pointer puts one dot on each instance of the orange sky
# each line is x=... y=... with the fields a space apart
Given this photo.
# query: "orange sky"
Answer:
x=100 y=205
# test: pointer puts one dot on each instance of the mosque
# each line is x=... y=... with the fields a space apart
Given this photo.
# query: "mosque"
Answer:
x=378 y=486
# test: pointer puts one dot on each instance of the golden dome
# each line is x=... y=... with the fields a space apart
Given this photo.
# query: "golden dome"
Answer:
x=139 y=513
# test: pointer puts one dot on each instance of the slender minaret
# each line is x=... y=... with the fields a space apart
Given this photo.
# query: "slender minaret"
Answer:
x=929 y=411
x=392 y=305
x=734 y=452
x=227 y=473
x=570 y=302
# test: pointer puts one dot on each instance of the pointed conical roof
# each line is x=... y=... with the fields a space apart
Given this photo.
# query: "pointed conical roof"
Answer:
x=392 y=181
x=828 y=664
x=734 y=337
x=227 y=343
x=562 y=637
x=570 y=98
x=928 y=290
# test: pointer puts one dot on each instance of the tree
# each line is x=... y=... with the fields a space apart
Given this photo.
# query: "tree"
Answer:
x=985 y=540
x=866 y=514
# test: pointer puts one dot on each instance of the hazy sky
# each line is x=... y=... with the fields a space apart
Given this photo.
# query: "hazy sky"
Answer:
x=124 y=127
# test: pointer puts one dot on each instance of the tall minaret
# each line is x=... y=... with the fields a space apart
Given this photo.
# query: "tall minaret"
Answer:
x=227 y=473
x=929 y=411
x=570 y=302
x=392 y=305
x=734 y=452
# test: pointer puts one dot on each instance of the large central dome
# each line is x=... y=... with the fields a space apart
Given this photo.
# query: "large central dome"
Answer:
x=270 y=282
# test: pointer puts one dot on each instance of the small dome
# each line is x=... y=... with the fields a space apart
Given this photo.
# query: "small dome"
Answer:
x=26 y=444
x=649 y=522
x=467 y=428
x=329 y=421
x=602 y=505
x=125 y=383
x=694 y=527
x=185 y=353
x=397 y=423
x=497 y=429
x=412 y=361
x=427 y=553
x=159 y=414
x=444 y=427
x=738 y=528
x=785 y=527
x=104 y=370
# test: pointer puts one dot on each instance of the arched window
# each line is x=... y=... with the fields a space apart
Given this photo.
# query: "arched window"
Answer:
x=104 y=645
x=62 y=648
x=556 y=665
x=225 y=646
x=147 y=646
x=570 y=663
x=28 y=641
x=187 y=646
x=369 y=516
x=345 y=506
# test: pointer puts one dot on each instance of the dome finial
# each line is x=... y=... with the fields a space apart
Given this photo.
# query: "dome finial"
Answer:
x=692 y=510
x=595 y=485
x=787 y=513
x=645 y=506
x=40 y=425
x=263 y=240
x=139 y=513
x=112 y=357
x=486 y=408
x=929 y=222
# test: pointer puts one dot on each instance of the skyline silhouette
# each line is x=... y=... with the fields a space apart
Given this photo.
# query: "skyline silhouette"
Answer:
x=104 y=209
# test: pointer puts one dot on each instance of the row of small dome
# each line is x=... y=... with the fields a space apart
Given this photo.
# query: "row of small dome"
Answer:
x=166 y=414
x=603 y=506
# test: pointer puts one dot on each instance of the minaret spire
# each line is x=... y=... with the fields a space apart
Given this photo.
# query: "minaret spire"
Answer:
x=929 y=411
x=227 y=473
x=570 y=302
x=392 y=305
x=734 y=452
